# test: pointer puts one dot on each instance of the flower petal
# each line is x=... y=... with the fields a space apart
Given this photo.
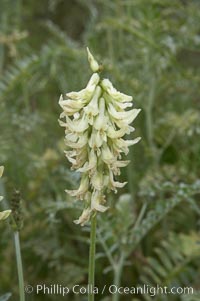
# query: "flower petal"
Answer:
x=1 y=171
x=82 y=190
x=96 y=202
x=92 y=108
x=112 y=184
x=4 y=214
x=84 y=218
x=86 y=94
x=108 y=87
x=79 y=125
x=97 y=180
x=91 y=164
x=106 y=154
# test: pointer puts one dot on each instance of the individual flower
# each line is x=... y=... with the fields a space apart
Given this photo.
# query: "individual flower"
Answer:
x=95 y=120
x=3 y=214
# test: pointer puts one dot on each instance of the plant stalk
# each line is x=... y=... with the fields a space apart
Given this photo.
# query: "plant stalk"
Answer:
x=140 y=216
x=118 y=275
x=91 y=274
x=19 y=265
x=149 y=109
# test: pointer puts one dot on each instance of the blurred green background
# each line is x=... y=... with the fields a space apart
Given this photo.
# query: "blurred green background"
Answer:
x=150 y=50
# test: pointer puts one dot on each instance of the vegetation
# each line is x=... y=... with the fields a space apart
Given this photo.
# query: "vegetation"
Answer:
x=150 y=234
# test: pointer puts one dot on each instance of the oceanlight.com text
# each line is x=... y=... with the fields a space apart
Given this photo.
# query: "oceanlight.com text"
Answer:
x=62 y=290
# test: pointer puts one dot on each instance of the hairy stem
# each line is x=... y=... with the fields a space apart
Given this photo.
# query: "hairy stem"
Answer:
x=19 y=266
x=91 y=276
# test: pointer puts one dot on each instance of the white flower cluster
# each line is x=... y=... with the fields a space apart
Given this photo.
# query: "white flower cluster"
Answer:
x=95 y=121
x=3 y=214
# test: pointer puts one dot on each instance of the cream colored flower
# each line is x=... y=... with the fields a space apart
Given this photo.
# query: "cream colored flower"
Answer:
x=3 y=214
x=85 y=216
x=95 y=121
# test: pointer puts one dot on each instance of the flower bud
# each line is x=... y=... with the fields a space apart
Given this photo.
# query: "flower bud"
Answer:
x=93 y=63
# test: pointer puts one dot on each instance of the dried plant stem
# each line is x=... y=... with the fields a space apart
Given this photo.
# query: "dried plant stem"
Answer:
x=19 y=265
x=91 y=276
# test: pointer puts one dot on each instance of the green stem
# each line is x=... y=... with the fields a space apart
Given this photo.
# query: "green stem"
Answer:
x=149 y=110
x=140 y=216
x=91 y=276
x=106 y=249
x=117 y=275
x=19 y=266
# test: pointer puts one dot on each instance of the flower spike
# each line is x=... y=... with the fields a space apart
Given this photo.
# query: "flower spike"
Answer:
x=95 y=121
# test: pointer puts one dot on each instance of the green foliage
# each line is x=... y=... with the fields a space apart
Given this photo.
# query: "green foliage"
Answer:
x=174 y=264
